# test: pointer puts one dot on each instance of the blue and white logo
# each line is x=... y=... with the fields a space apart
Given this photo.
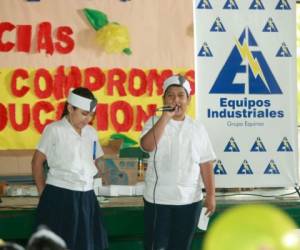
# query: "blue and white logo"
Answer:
x=272 y=168
x=231 y=146
x=219 y=169
x=204 y=4
x=246 y=59
x=245 y=169
x=283 y=51
x=205 y=51
x=217 y=26
x=270 y=26
x=258 y=146
x=283 y=5
x=256 y=5
x=285 y=146
x=230 y=5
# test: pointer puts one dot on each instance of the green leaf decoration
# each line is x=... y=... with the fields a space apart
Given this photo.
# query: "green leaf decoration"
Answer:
x=127 y=51
x=133 y=152
x=127 y=142
x=96 y=18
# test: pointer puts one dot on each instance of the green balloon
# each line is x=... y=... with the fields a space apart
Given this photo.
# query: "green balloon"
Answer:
x=252 y=227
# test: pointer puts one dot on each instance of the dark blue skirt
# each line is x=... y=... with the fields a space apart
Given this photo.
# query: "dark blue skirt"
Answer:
x=73 y=215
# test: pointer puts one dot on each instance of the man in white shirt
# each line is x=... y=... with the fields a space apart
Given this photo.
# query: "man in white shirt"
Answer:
x=180 y=161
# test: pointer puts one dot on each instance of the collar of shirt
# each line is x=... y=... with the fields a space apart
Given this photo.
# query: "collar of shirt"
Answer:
x=69 y=125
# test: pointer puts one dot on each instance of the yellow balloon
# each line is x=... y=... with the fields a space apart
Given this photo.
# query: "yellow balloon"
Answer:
x=113 y=37
x=252 y=227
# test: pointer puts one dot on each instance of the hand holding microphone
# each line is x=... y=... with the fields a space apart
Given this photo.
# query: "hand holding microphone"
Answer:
x=168 y=108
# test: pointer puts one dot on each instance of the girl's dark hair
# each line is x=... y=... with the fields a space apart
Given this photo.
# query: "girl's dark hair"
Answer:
x=81 y=91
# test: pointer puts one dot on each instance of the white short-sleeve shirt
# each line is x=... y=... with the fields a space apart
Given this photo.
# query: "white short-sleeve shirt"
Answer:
x=70 y=156
x=183 y=146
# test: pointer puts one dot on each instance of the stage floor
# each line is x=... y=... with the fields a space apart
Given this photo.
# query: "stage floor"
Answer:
x=123 y=216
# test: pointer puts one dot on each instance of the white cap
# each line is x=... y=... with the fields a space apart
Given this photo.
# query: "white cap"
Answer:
x=46 y=233
x=177 y=80
x=82 y=102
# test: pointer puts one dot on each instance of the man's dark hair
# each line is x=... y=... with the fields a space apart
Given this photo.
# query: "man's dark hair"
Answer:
x=44 y=243
x=45 y=239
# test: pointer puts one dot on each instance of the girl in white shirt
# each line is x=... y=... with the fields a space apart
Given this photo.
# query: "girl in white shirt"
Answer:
x=68 y=205
x=180 y=162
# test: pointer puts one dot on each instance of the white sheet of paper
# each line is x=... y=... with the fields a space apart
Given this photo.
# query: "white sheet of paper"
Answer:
x=203 y=220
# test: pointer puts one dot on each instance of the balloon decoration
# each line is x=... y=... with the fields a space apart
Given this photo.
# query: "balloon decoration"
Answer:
x=252 y=227
x=111 y=36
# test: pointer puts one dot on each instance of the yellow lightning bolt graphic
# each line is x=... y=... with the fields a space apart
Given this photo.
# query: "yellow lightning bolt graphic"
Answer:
x=258 y=3
x=246 y=165
x=254 y=65
x=285 y=3
x=272 y=164
x=285 y=143
x=205 y=3
x=271 y=24
x=232 y=4
x=232 y=143
x=205 y=47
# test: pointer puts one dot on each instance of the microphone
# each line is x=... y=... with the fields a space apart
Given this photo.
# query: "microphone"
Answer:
x=166 y=108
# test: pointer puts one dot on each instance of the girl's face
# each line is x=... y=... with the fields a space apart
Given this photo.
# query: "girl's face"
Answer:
x=176 y=96
x=79 y=118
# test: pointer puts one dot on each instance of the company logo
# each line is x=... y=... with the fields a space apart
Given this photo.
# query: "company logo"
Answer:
x=270 y=26
x=246 y=59
x=272 y=168
x=204 y=4
x=205 y=51
x=258 y=146
x=219 y=169
x=217 y=26
x=283 y=51
x=245 y=168
x=230 y=5
x=231 y=146
x=285 y=146
x=283 y=5
x=256 y=5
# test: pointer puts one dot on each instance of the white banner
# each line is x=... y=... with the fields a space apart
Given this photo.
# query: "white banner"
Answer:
x=245 y=66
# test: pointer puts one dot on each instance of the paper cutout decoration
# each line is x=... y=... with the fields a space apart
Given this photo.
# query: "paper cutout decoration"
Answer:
x=112 y=37
x=127 y=141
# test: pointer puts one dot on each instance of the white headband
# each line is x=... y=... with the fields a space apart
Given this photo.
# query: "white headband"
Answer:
x=49 y=235
x=82 y=102
x=177 y=80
